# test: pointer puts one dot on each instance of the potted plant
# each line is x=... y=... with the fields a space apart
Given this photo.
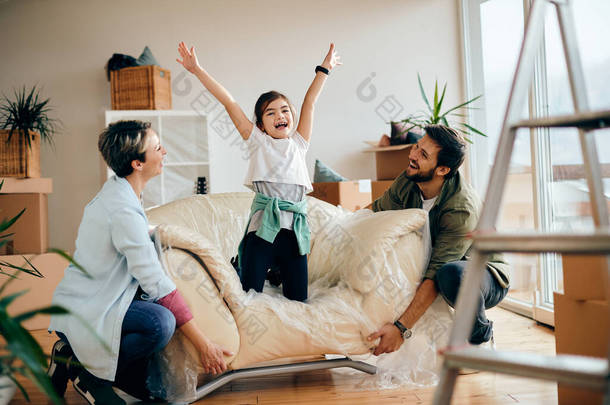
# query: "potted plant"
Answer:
x=24 y=122
x=22 y=355
x=453 y=117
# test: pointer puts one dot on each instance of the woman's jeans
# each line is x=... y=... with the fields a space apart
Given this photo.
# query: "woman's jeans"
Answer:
x=146 y=329
x=448 y=279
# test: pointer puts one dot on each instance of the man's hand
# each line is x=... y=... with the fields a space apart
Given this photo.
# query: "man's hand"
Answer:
x=391 y=339
x=212 y=358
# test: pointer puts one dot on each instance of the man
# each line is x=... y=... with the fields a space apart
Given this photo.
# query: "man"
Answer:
x=432 y=182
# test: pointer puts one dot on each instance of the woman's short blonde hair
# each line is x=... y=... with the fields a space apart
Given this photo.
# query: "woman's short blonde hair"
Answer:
x=123 y=142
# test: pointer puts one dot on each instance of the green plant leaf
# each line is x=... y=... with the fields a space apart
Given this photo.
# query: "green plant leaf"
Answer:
x=476 y=131
x=21 y=388
x=6 y=301
x=50 y=310
x=71 y=260
x=423 y=93
x=21 y=343
x=435 y=99
x=34 y=272
x=438 y=106
x=462 y=105
x=5 y=224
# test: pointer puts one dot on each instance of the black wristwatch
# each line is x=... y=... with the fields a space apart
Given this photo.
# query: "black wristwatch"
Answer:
x=404 y=331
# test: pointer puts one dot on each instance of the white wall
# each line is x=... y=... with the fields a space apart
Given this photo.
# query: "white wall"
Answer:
x=249 y=46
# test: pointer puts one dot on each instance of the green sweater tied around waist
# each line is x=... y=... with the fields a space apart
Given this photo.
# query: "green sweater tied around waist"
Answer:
x=270 y=226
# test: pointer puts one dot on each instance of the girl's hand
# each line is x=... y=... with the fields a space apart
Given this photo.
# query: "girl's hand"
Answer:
x=189 y=58
x=332 y=59
x=212 y=358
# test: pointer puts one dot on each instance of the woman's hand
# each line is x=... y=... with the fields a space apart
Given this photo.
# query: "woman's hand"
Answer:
x=189 y=58
x=332 y=59
x=212 y=357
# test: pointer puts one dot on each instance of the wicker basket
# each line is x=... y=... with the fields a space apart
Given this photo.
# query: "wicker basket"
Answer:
x=16 y=158
x=141 y=88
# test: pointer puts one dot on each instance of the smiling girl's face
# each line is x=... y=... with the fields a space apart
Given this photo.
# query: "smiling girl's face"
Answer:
x=277 y=119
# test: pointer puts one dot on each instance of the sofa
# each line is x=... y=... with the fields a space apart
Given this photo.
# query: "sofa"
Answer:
x=363 y=270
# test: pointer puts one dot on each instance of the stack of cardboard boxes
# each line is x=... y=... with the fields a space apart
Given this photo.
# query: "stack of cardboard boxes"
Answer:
x=30 y=241
x=581 y=318
x=390 y=161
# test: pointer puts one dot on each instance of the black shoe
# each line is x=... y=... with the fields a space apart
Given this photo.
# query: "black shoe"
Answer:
x=235 y=263
x=274 y=276
x=96 y=391
x=58 y=366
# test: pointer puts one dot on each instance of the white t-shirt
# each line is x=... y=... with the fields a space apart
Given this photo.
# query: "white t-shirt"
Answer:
x=427 y=204
x=277 y=160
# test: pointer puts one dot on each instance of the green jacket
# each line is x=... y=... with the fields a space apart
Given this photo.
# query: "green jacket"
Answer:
x=270 y=226
x=454 y=214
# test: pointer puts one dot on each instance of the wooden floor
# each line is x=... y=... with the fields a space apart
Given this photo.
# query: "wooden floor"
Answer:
x=512 y=332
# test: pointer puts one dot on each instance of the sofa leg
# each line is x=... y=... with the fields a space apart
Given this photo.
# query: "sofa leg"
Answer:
x=282 y=369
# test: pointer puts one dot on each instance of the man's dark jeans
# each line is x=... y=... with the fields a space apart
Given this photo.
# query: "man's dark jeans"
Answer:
x=146 y=329
x=448 y=279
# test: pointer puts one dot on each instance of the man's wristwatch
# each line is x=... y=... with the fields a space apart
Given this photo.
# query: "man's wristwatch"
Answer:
x=404 y=331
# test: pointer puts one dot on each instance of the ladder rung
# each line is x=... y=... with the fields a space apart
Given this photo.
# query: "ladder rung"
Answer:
x=586 y=372
x=585 y=120
x=593 y=243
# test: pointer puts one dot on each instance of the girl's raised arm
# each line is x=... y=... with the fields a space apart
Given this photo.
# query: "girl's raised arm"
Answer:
x=306 y=120
x=190 y=63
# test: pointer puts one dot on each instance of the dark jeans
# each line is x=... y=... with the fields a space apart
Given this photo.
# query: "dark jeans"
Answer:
x=448 y=280
x=260 y=255
x=146 y=329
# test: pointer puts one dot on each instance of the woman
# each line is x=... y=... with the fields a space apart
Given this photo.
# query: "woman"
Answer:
x=125 y=296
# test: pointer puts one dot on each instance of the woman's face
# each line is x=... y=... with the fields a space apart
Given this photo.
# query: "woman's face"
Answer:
x=153 y=166
x=277 y=119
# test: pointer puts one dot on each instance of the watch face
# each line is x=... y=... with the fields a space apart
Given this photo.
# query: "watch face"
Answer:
x=407 y=334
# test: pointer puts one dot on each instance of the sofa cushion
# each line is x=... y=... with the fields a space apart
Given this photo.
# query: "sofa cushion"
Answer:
x=354 y=248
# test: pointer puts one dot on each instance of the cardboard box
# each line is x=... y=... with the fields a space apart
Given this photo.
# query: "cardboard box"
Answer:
x=31 y=229
x=585 y=277
x=379 y=187
x=581 y=328
x=567 y=395
x=351 y=195
x=28 y=185
x=40 y=293
x=390 y=161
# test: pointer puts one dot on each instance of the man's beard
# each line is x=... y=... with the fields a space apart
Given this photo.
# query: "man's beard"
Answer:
x=422 y=177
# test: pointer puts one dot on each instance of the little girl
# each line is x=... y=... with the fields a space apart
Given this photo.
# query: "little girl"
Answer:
x=277 y=234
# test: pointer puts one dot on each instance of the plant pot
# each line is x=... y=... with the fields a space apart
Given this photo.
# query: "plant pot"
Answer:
x=7 y=390
x=16 y=158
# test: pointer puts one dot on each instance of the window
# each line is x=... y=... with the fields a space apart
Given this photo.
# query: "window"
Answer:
x=551 y=194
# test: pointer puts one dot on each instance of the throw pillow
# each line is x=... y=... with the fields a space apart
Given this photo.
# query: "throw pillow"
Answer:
x=324 y=174
x=147 y=58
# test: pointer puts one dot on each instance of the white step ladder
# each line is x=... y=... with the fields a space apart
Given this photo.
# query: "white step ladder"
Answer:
x=586 y=372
